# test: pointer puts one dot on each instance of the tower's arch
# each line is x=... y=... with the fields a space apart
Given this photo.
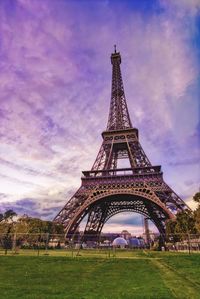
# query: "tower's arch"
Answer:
x=103 y=206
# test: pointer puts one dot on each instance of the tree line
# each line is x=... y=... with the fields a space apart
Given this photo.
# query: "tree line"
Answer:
x=27 y=230
x=187 y=222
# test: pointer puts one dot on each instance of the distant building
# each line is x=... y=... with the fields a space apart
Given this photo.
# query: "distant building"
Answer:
x=109 y=236
x=125 y=234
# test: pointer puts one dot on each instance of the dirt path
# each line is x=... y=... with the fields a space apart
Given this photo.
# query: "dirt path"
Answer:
x=180 y=286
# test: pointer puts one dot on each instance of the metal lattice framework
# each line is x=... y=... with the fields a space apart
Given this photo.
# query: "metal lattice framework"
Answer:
x=119 y=118
x=107 y=190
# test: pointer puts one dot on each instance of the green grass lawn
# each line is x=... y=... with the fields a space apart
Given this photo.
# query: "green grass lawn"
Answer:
x=132 y=274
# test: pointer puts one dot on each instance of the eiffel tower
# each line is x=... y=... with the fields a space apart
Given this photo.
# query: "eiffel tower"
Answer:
x=107 y=190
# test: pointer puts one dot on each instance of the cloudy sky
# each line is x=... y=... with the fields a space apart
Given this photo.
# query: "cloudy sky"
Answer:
x=55 y=81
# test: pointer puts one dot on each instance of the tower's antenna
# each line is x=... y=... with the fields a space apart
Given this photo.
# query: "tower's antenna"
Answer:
x=115 y=48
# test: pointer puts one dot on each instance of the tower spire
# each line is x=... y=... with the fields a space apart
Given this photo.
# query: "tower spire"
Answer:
x=119 y=118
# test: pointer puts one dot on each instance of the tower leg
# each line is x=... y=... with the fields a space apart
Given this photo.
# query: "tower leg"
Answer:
x=95 y=222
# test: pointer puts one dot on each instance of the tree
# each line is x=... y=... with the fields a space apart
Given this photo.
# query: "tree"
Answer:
x=171 y=230
x=182 y=226
x=7 y=229
x=196 y=197
x=185 y=222
x=8 y=215
x=1 y=217
x=197 y=219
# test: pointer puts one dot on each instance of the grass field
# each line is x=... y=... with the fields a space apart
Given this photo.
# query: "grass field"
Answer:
x=131 y=274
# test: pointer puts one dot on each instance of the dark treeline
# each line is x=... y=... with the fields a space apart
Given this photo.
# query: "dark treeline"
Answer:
x=27 y=225
x=186 y=222
x=15 y=231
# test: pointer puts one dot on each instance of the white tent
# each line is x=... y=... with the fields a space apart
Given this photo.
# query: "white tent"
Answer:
x=120 y=242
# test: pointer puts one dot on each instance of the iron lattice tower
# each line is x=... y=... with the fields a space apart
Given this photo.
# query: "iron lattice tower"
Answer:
x=106 y=189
